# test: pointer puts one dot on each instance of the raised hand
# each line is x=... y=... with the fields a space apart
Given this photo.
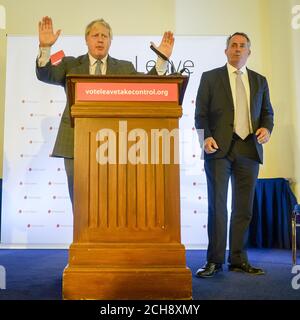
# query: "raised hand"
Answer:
x=167 y=44
x=47 y=37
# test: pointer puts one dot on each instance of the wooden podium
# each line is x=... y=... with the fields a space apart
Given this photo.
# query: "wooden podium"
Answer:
x=126 y=241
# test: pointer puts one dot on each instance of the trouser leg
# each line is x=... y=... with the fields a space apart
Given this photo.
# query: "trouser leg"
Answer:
x=69 y=167
x=244 y=175
x=217 y=174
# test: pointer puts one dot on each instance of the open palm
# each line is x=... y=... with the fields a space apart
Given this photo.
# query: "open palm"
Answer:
x=47 y=37
x=166 y=45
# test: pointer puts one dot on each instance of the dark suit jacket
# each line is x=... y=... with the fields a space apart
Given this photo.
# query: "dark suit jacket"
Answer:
x=215 y=110
x=64 y=144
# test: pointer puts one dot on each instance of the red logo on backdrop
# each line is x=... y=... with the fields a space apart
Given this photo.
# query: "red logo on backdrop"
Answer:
x=57 y=57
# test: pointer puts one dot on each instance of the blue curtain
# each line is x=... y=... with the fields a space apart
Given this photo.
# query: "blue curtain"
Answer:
x=271 y=223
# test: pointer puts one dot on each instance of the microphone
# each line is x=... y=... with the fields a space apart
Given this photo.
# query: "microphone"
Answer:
x=186 y=70
x=173 y=71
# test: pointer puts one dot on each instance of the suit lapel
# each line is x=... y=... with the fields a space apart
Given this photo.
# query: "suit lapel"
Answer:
x=84 y=65
x=226 y=83
x=253 y=89
x=112 y=67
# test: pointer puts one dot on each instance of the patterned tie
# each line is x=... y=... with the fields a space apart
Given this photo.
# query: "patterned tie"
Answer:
x=98 y=68
x=242 y=126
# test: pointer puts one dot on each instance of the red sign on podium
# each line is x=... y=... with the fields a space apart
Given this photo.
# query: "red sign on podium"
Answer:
x=87 y=91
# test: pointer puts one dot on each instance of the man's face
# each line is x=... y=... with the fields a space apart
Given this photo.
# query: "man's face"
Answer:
x=98 y=41
x=238 y=51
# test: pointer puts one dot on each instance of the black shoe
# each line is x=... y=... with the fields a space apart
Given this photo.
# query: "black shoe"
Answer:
x=209 y=270
x=247 y=268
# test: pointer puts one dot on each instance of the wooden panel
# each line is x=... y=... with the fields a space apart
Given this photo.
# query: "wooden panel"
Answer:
x=112 y=196
x=150 y=196
x=141 y=197
x=136 y=198
x=93 y=185
x=131 y=196
x=160 y=196
x=122 y=196
x=103 y=196
x=81 y=182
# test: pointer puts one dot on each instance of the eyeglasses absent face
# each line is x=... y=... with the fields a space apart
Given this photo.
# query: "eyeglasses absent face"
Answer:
x=238 y=51
x=98 y=41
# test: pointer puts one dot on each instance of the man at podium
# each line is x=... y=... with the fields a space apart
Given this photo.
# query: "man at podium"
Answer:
x=97 y=61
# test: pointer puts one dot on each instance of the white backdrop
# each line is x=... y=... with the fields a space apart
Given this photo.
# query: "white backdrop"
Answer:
x=36 y=211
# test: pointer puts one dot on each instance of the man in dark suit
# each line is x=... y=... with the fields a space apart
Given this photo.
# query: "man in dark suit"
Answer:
x=98 y=36
x=234 y=111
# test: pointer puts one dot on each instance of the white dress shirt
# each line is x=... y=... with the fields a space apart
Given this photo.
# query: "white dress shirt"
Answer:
x=93 y=64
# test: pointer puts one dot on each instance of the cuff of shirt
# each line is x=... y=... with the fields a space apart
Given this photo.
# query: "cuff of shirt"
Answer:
x=161 y=66
x=43 y=56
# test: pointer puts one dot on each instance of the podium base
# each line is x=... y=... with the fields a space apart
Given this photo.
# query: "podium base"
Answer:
x=124 y=284
x=112 y=272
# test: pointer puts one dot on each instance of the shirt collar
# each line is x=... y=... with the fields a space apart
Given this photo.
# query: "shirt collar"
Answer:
x=93 y=60
x=231 y=69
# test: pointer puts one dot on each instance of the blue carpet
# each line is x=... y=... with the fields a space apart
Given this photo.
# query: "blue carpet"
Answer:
x=37 y=274
x=274 y=285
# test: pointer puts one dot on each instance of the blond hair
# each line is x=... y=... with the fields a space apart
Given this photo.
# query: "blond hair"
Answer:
x=98 y=21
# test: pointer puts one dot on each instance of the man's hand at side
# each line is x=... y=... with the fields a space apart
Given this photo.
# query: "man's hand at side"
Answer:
x=262 y=135
x=210 y=145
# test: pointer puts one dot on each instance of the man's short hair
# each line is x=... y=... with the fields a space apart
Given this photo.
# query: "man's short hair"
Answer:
x=238 y=34
x=98 y=21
